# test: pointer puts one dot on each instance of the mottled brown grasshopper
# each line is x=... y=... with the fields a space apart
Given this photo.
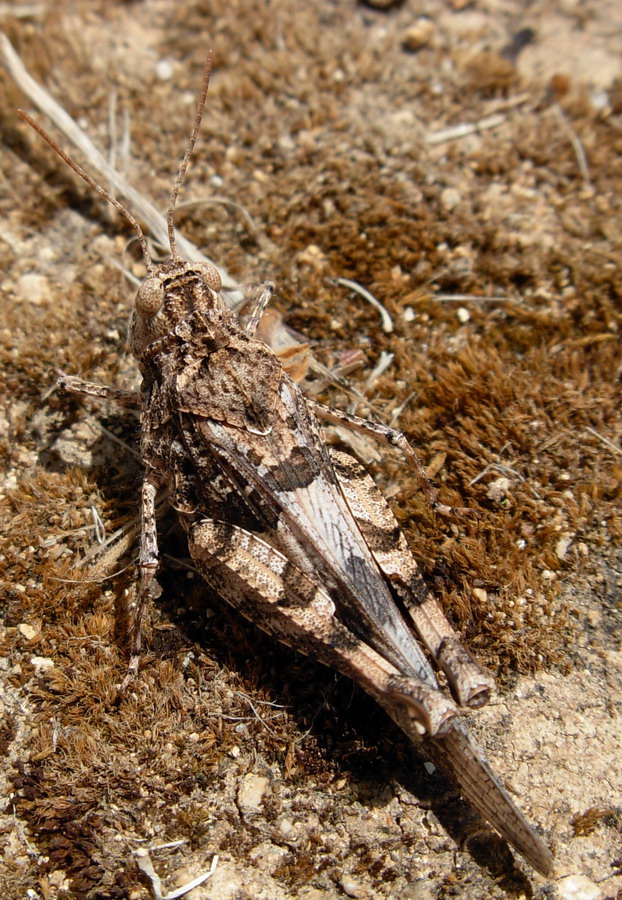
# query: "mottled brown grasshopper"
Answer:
x=295 y=535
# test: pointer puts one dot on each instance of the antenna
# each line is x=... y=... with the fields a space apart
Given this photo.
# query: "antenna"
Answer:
x=94 y=184
x=184 y=163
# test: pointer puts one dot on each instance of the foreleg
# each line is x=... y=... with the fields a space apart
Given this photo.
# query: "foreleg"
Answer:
x=72 y=385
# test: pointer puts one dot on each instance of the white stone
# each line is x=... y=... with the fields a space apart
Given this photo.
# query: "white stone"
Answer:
x=418 y=35
x=34 y=288
x=450 y=198
x=251 y=792
x=42 y=663
x=578 y=887
x=354 y=888
x=498 y=489
x=164 y=69
x=27 y=631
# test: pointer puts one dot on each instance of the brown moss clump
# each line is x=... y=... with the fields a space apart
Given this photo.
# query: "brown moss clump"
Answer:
x=317 y=123
x=586 y=822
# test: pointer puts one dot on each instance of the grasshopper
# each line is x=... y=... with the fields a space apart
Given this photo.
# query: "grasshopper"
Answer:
x=293 y=534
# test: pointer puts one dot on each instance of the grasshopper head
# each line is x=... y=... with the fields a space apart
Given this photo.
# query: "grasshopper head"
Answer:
x=170 y=293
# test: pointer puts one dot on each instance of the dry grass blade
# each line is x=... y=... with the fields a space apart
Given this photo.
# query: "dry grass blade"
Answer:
x=387 y=322
x=155 y=221
x=454 y=132
x=577 y=146
x=22 y=10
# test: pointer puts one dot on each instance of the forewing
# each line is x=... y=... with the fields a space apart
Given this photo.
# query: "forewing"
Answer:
x=278 y=460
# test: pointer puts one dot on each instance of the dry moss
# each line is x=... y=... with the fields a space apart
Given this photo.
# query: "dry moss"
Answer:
x=316 y=124
x=586 y=822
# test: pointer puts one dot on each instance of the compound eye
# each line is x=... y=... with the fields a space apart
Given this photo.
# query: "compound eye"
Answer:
x=208 y=275
x=149 y=298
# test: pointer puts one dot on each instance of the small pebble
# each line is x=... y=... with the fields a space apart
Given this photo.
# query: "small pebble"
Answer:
x=578 y=887
x=594 y=618
x=312 y=256
x=418 y=35
x=34 y=288
x=498 y=489
x=561 y=548
x=164 y=69
x=354 y=888
x=27 y=631
x=42 y=663
x=250 y=794
x=450 y=198
x=285 y=827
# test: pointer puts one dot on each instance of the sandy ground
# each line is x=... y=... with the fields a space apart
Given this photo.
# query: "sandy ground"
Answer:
x=461 y=161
